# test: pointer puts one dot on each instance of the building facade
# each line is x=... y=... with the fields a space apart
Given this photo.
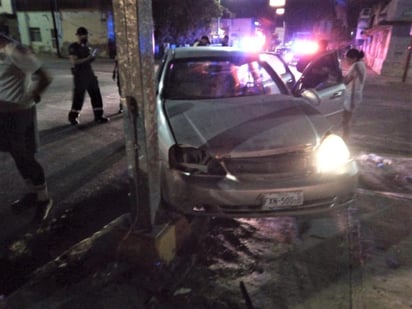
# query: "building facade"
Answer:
x=387 y=38
x=49 y=26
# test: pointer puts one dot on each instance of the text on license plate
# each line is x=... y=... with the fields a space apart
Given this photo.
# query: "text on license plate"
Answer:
x=280 y=199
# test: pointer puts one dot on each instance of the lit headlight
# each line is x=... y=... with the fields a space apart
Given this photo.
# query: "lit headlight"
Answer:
x=332 y=155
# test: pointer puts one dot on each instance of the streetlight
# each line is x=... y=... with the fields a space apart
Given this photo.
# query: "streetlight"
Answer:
x=277 y=3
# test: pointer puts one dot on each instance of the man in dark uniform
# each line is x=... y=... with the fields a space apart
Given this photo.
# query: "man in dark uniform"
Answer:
x=84 y=79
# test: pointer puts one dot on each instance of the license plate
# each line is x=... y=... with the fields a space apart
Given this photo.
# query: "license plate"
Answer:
x=282 y=199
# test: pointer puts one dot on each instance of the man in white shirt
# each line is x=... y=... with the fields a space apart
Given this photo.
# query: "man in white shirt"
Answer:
x=22 y=80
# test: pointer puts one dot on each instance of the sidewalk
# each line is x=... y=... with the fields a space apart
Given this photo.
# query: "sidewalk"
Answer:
x=382 y=123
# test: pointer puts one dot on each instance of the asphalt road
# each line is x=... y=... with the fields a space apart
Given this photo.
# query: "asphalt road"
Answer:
x=333 y=263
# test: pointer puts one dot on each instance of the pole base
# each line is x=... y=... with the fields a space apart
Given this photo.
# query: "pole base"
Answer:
x=151 y=250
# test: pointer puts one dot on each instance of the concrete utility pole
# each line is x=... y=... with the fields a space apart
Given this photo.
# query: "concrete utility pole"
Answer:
x=134 y=44
x=408 y=60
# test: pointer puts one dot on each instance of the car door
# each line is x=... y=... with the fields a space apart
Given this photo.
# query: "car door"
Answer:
x=280 y=67
x=322 y=78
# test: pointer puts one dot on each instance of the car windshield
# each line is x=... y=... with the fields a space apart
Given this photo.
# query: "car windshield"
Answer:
x=209 y=79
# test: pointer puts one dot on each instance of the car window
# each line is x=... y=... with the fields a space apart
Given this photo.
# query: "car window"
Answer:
x=280 y=68
x=210 y=79
x=275 y=63
x=322 y=73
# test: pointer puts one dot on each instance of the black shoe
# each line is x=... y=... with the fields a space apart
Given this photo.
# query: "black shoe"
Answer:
x=29 y=200
x=120 y=111
x=101 y=119
x=74 y=120
x=43 y=209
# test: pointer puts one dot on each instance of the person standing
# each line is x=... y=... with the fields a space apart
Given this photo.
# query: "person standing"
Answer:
x=225 y=40
x=354 y=81
x=81 y=58
x=22 y=81
x=204 y=41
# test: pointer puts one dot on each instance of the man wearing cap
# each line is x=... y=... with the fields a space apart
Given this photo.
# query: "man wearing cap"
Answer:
x=81 y=57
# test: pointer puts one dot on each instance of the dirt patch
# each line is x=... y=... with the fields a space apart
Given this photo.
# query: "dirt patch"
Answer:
x=385 y=173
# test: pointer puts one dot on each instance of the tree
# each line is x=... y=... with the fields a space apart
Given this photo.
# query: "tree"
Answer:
x=182 y=21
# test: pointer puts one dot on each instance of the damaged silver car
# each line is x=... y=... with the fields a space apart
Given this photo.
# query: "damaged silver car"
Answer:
x=239 y=138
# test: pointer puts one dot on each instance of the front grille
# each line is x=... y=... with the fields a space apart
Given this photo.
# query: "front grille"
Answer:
x=296 y=163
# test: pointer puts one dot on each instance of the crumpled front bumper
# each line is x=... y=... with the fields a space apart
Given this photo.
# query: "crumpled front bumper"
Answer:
x=244 y=196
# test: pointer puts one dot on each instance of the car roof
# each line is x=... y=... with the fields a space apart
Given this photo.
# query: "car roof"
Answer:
x=209 y=51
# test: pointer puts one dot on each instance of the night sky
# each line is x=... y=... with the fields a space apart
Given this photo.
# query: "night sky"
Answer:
x=299 y=13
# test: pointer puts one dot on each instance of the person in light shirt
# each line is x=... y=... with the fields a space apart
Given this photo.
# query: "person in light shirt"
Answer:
x=355 y=82
x=22 y=81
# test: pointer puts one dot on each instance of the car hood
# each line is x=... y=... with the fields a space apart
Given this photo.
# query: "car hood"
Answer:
x=243 y=126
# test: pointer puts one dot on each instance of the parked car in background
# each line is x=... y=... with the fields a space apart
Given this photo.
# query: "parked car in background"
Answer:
x=240 y=137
